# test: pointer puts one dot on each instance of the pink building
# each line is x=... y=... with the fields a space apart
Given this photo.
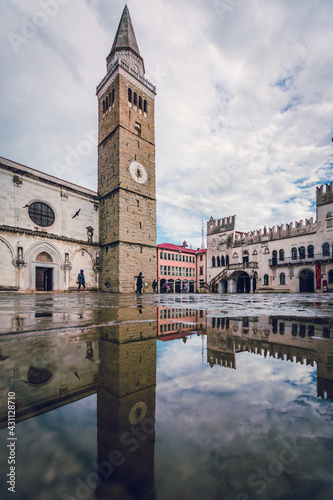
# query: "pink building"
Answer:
x=176 y=268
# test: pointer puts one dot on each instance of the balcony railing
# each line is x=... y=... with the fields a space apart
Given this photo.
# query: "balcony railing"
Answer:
x=300 y=260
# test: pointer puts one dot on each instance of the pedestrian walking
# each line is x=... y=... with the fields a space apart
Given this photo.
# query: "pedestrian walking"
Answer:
x=81 y=280
x=139 y=283
x=154 y=285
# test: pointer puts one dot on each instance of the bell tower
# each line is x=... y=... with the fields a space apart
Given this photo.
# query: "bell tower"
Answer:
x=126 y=166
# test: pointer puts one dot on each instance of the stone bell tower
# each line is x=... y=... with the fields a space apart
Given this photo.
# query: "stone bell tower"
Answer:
x=126 y=166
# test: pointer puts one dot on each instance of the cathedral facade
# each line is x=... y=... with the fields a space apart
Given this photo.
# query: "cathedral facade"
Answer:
x=288 y=258
x=50 y=229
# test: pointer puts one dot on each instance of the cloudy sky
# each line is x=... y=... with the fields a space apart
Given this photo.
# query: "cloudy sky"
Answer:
x=243 y=111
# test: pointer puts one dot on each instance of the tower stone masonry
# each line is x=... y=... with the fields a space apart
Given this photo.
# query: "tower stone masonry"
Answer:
x=126 y=167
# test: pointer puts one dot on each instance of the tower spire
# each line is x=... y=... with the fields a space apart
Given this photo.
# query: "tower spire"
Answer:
x=125 y=36
x=125 y=47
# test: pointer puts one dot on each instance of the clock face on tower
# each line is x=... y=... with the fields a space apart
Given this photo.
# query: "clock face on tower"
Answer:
x=138 y=172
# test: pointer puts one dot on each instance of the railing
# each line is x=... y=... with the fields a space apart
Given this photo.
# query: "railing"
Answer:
x=238 y=266
x=300 y=260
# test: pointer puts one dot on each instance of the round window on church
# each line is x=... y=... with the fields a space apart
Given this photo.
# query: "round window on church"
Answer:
x=41 y=214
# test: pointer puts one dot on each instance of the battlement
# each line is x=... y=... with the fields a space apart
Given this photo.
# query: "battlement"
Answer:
x=215 y=226
x=276 y=232
x=324 y=194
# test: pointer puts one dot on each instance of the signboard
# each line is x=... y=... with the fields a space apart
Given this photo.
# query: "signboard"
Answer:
x=318 y=276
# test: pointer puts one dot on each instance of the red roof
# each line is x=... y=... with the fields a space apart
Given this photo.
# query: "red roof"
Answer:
x=175 y=248
x=202 y=250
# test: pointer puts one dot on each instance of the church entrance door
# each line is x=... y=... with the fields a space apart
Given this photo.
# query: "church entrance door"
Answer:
x=44 y=279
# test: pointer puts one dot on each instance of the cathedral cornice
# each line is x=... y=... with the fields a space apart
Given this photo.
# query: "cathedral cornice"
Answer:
x=44 y=234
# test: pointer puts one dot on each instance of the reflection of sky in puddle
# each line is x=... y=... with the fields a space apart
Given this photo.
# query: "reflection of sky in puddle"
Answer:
x=217 y=427
x=233 y=419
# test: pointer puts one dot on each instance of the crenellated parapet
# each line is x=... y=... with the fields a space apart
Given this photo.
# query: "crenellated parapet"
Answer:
x=276 y=232
x=225 y=224
x=324 y=194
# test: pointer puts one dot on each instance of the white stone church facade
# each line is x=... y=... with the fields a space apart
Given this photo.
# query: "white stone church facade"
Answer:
x=288 y=258
x=43 y=244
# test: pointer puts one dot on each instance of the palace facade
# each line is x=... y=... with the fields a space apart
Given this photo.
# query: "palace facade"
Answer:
x=288 y=258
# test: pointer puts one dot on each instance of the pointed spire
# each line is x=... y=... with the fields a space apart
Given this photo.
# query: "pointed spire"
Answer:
x=125 y=36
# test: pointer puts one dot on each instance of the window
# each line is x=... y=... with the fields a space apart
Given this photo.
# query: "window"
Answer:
x=281 y=255
x=165 y=270
x=140 y=103
x=227 y=260
x=177 y=257
x=294 y=253
x=266 y=280
x=282 y=279
x=302 y=330
x=222 y=261
x=311 y=330
x=129 y=95
x=103 y=106
x=41 y=214
x=201 y=271
x=169 y=256
x=173 y=256
x=107 y=103
x=145 y=106
x=281 y=328
x=310 y=251
x=213 y=261
x=186 y=258
x=112 y=96
x=274 y=258
x=161 y=270
x=301 y=252
x=135 y=99
x=201 y=258
x=165 y=256
x=326 y=250
x=218 y=262
x=161 y=255
x=330 y=277
x=294 y=330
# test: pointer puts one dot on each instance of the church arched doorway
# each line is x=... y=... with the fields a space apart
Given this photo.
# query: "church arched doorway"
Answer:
x=306 y=281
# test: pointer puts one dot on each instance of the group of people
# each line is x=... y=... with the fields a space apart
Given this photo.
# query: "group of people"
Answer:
x=139 y=284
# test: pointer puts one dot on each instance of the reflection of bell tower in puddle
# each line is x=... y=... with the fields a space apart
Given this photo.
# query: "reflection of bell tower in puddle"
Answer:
x=126 y=405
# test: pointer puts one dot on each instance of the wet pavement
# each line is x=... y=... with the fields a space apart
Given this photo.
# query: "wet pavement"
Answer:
x=166 y=396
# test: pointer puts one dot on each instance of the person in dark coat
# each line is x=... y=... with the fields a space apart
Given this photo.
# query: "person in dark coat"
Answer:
x=139 y=283
x=81 y=280
x=154 y=285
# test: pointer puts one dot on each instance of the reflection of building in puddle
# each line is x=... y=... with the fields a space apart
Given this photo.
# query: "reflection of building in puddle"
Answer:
x=118 y=363
x=177 y=322
x=300 y=340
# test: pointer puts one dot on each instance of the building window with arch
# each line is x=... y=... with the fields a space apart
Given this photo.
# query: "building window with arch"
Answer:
x=222 y=261
x=282 y=279
x=145 y=107
x=266 y=280
x=112 y=96
x=129 y=95
x=310 y=251
x=227 y=260
x=213 y=261
x=326 y=250
x=135 y=99
x=294 y=253
x=281 y=255
x=104 y=106
x=140 y=103
x=274 y=257
x=301 y=252
x=218 y=262
x=41 y=214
